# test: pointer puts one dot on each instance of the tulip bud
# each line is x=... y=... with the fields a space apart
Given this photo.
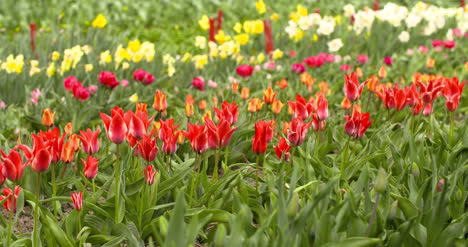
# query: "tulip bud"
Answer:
x=393 y=210
x=69 y=128
x=381 y=181
x=440 y=183
x=48 y=117
x=77 y=198
x=415 y=170
x=245 y=93
x=293 y=205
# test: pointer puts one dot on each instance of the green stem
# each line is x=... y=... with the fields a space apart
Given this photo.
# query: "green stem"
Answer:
x=226 y=156
x=452 y=121
x=344 y=158
x=257 y=175
x=215 y=170
x=94 y=186
x=168 y=163
x=117 y=184
x=54 y=189
x=140 y=212
x=10 y=220
x=374 y=214
x=36 y=212
x=197 y=169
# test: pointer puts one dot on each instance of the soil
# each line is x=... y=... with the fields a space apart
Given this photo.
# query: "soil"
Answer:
x=25 y=222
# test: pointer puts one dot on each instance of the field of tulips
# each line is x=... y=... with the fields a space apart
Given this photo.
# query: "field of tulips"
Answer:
x=233 y=123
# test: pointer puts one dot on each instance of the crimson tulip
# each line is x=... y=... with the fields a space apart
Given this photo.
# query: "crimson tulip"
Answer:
x=301 y=107
x=218 y=135
x=228 y=112
x=168 y=135
x=245 y=70
x=357 y=124
x=39 y=157
x=452 y=93
x=282 y=149
x=352 y=88
x=322 y=106
x=147 y=148
x=297 y=131
x=108 y=79
x=12 y=197
x=149 y=173
x=90 y=141
x=197 y=137
x=12 y=165
x=90 y=167
x=431 y=90
x=263 y=135
x=77 y=199
x=198 y=83
x=116 y=128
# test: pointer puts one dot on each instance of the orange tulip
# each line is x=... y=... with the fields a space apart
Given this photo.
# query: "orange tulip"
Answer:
x=283 y=83
x=160 y=103
x=382 y=72
x=285 y=127
x=346 y=103
x=255 y=105
x=70 y=148
x=269 y=96
x=189 y=111
x=180 y=137
x=69 y=128
x=323 y=86
x=141 y=107
x=245 y=93
x=214 y=101
x=202 y=105
x=48 y=117
x=235 y=87
x=207 y=115
x=359 y=72
x=430 y=63
x=372 y=82
x=277 y=106
x=307 y=79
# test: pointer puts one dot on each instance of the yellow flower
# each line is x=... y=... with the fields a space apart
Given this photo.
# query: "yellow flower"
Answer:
x=221 y=37
x=274 y=17
x=260 y=57
x=315 y=38
x=133 y=98
x=125 y=65
x=121 y=54
x=105 y=57
x=171 y=70
x=242 y=39
x=186 y=57
x=260 y=6
x=301 y=10
x=253 y=27
x=204 y=22
x=237 y=27
x=337 y=19
x=258 y=27
x=277 y=54
x=298 y=35
x=99 y=22
x=200 y=42
x=55 y=56
x=213 y=47
x=51 y=70
x=86 y=49
x=88 y=67
x=14 y=64
x=34 y=67
x=200 y=61
x=134 y=45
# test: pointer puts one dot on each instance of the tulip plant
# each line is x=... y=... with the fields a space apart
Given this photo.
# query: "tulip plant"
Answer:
x=248 y=124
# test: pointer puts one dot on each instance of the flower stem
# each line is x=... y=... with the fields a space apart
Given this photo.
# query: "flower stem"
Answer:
x=451 y=137
x=36 y=212
x=215 y=169
x=10 y=220
x=117 y=184
x=54 y=190
x=344 y=158
x=168 y=163
x=257 y=164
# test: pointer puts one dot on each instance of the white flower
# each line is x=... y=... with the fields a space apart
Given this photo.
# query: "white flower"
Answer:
x=200 y=42
x=326 y=27
x=349 y=10
x=449 y=35
x=404 y=36
x=413 y=20
x=335 y=45
x=291 y=29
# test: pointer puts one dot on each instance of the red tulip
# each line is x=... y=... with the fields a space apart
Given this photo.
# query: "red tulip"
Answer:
x=198 y=83
x=317 y=124
x=90 y=167
x=12 y=166
x=228 y=112
x=81 y=93
x=116 y=128
x=282 y=149
x=90 y=141
x=388 y=61
x=452 y=93
x=77 y=198
x=147 y=148
x=263 y=135
x=168 y=135
x=357 y=124
x=137 y=123
x=244 y=70
x=301 y=107
x=322 y=106
x=149 y=173
x=139 y=75
x=219 y=135
x=314 y=61
x=412 y=95
x=430 y=91
x=39 y=157
x=428 y=109
x=393 y=97
x=108 y=79
x=197 y=137
x=297 y=131
x=449 y=44
x=362 y=59
x=70 y=83
x=297 y=68
x=352 y=88
x=10 y=203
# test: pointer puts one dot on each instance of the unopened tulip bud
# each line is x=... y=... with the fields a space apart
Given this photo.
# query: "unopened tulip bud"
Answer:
x=381 y=181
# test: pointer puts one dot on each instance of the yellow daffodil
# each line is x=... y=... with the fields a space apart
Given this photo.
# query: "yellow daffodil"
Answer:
x=99 y=22
x=260 y=6
x=204 y=22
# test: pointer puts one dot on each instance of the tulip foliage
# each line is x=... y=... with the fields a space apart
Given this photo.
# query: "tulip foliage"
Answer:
x=267 y=132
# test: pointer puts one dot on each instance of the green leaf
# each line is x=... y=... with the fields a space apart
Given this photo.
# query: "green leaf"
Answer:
x=406 y=206
x=355 y=242
x=176 y=235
